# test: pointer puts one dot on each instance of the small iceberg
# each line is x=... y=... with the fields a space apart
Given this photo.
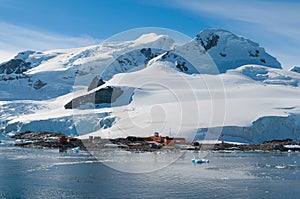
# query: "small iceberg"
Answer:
x=76 y=149
x=22 y=141
x=292 y=146
x=199 y=161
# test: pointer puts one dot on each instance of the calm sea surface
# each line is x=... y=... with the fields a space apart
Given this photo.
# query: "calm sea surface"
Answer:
x=36 y=173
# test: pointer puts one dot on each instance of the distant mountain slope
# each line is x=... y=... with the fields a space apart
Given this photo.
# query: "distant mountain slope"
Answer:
x=44 y=75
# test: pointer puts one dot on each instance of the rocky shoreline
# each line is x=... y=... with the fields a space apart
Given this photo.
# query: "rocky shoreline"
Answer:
x=136 y=144
x=47 y=140
x=274 y=145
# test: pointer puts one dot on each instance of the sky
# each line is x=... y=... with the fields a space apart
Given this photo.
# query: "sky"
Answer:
x=53 y=24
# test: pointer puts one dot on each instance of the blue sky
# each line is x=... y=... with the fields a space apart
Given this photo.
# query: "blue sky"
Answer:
x=51 y=24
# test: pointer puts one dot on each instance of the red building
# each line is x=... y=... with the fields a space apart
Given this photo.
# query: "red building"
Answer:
x=166 y=140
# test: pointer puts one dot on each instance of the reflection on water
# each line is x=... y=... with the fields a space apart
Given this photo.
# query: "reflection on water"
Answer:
x=33 y=173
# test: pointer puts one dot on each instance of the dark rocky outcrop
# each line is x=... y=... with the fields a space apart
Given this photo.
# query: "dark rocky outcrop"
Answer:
x=17 y=66
x=28 y=135
x=273 y=145
x=181 y=66
x=47 y=139
x=105 y=95
x=149 y=53
x=39 y=84
x=96 y=82
x=208 y=42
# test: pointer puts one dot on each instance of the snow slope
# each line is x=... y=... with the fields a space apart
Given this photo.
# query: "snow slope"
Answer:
x=161 y=87
x=183 y=104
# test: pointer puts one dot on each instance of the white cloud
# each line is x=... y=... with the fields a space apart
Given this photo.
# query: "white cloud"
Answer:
x=14 y=39
x=6 y=55
x=274 y=24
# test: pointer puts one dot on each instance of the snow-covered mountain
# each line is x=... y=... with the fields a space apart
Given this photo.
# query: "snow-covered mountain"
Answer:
x=230 y=51
x=216 y=83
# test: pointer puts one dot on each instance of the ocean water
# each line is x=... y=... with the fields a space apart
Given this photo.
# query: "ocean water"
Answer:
x=44 y=173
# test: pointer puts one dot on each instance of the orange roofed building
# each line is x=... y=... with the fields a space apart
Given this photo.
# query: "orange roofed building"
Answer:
x=166 y=140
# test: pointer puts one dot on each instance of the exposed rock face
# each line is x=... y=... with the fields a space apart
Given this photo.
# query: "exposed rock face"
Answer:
x=181 y=66
x=106 y=95
x=16 y=66
x=149 y=53
x=209 y=41
x=39 y=84
x=96 y=82
x=181 y=63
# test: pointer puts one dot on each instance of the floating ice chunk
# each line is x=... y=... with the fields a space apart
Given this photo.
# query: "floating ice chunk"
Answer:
x=292 y=146
x=200 y=161
x=76 y=149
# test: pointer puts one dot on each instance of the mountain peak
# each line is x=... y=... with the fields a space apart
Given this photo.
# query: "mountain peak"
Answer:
x=24 y=55
x=150 y=37
x=230 y=51
x=153 y=40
